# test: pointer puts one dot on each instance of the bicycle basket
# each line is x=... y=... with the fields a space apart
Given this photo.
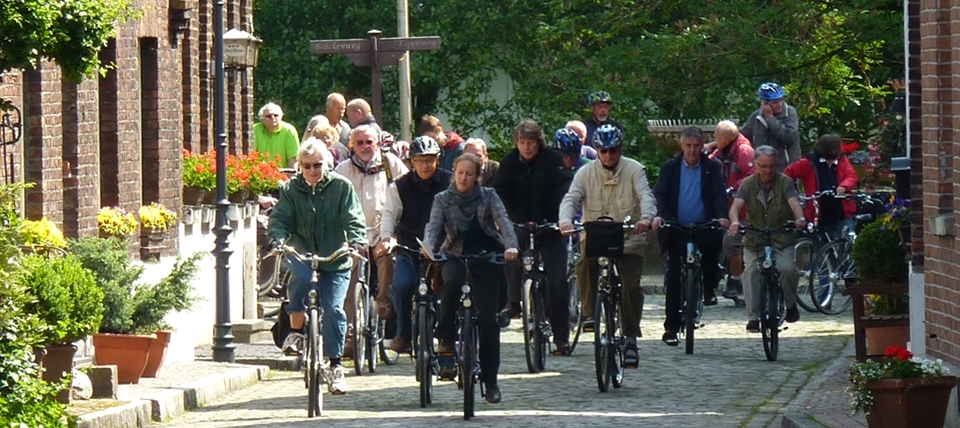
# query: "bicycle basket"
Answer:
x=604 y=239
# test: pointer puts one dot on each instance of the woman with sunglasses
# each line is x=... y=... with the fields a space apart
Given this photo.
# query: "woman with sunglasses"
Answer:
x=319 y=212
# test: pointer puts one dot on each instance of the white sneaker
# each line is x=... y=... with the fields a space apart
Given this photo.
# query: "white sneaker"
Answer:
x=338 y=385
x=293 y=344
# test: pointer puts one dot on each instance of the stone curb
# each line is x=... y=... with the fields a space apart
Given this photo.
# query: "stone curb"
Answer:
x=799 y=418
x=173 y=402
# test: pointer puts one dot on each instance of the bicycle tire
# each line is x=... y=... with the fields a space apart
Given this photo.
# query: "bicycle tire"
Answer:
x=576 y=312
x=372 y=335
x=804 y=255
x=424 y=357
x=770 y=317
x=468 y=352
x=691 y=302
x=359 y=322
x=315 y=357
x=601 y=339
x=540 y=324
x=531 y=337
x=834 y=268
x=616 y=341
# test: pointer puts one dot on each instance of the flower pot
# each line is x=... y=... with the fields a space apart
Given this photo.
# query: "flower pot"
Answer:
x=238 y=197
x=128 y=352
x=192 y=195
x=151 y=244
x=881 y=338
x=209 y=198
x=910 y=403
x=158 y=351
x=57 y=364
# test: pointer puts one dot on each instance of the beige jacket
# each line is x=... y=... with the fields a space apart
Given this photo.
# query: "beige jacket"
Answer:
x=372 y=188
x=616 y=194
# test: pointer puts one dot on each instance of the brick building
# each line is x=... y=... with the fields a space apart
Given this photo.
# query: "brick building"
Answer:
x=117 y=139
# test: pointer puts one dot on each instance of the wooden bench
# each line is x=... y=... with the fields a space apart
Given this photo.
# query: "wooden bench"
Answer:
x=862 y=321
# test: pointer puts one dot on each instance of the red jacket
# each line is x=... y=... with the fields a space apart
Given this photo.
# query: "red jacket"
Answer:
x=737 y=165
x=804 y=171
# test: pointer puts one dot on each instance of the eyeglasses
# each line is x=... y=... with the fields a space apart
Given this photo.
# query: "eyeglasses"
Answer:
x=608 y=151
x=271 y=115
x=424 y=160
x=309 y=166
x=364 y=143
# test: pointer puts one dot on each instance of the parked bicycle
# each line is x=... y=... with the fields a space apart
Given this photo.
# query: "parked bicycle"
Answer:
x=772 y=306
x=312 y=361
x=691 y=279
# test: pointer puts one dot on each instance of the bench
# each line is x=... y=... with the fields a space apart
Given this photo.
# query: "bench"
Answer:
x=862 y=321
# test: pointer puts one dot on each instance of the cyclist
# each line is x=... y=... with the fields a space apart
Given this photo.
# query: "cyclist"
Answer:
x=531 y=182
x=404 y=217
x=734 y=151
x=318 y=213
x=569 y=144
x=689 y=191
x=775 y=124
x=827 y=168
x=600 y=105
x=371 y=170
x=474 y=221
x=616 y=187
x=580 y=129
x=771 y=200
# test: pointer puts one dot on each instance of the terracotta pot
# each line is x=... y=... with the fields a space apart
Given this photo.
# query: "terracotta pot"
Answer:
x=128 y=352
x=158 y=351
x=910 y=403
x=881 y=338
x=57 y=364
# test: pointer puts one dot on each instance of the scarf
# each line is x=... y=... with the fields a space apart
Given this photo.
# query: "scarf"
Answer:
x=467 y=203
x=370 y=169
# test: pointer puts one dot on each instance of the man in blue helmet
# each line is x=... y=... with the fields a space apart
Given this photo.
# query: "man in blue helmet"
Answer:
x=775 y=124
x=569 y=144
x=600 y=105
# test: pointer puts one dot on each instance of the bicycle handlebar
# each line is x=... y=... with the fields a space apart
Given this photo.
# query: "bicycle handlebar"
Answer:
x=536 y=227
x=691 y=229
x=310 y=258
x=788 y=226
x=578 y=226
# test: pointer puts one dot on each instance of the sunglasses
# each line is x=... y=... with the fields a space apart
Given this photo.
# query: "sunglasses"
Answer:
x=364 y=143
x=309 y=166
x=272 y=115
x=607 y=151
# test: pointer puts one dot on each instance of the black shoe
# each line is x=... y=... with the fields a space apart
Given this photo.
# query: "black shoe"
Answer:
x=670 y=338
x=753 y=326
x=740 y=303
x=562 y=349
x=733 y=289
x=503 y=320
x=511 y=311
x=793 y=314
x=631 y=356
x=493 y=392
x=710 y=301
x=588 y=325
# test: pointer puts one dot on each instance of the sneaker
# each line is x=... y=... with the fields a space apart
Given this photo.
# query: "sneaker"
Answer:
x=631 y=355
x=740 y=303
x=670 y=338
x=588 y=325
x=734 y=288
x=399 y=345
x=338 y=382
x=753 y=326
x=710 y=301
x=793 y=314
x=293 y=344
x=562 y=349
x=503 y=320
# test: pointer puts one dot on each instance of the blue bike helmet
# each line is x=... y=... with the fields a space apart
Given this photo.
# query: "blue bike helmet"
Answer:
x=607 y=136
x=599 y=97
x=567 y=141
x=770 y=92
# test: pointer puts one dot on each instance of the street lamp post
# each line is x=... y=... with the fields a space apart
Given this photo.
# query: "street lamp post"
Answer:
x=223 y=347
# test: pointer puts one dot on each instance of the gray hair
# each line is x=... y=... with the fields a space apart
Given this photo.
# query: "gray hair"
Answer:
x=313 y=147
x=764 y=151
x=269 y=106
x=476 y=142
x=366 y=128
x=692 y=132
x=336 y=96
x=313 y=123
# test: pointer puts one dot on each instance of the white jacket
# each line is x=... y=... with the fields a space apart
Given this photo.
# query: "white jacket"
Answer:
x=372 y=188
x=604 y=193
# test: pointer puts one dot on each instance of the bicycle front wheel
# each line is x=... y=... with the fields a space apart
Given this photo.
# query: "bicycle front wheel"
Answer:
x=371 y=332
x=468 y=361
x=691 y=307
x=770 y=316
x=314 y=361
x=359 y=328
x=531 y=329
x=805 y=250
x=576 y=313
x=424 y=359
x=603 y=345
x=834 y=269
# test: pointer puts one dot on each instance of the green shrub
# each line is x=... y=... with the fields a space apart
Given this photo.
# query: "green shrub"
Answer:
x=880 y=255
x=65 y=296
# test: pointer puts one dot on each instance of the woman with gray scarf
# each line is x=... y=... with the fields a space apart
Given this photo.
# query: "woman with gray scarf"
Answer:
x=474 y=221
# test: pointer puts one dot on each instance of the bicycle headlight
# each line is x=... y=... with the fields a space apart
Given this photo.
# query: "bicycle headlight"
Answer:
x=810 y=227
x=603 y=261
x=690 y=259
x=465 y=289
x=423 y=289
x=767 y=264
x=467 y=303
x=528 y=262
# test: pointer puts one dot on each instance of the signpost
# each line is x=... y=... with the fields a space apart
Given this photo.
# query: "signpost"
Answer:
x=375 y=52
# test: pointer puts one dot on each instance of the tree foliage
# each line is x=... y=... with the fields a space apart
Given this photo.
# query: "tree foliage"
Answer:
x=665 y=59
x=69 y=32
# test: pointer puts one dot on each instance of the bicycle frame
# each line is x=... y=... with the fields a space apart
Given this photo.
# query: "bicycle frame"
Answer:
x=691 y=294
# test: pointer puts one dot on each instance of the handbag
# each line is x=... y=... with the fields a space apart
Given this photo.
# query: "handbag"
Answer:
x=604 y=238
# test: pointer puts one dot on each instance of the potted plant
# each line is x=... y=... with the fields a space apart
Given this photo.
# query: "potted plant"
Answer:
x=900 y=390
x=155 y=219
x=66 y=298
x=264 y=174
x=115 y=222
x=132 y=311
x=199 y=177
x=238 y=179
x=41 y=235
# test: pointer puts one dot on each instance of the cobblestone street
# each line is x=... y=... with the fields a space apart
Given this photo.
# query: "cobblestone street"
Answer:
x=726 y=383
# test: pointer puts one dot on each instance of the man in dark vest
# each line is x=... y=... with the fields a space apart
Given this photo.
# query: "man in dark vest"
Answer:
x=405 y=215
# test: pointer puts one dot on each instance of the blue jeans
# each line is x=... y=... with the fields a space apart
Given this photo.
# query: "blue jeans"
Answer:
x=405 y=275
x=333 y=289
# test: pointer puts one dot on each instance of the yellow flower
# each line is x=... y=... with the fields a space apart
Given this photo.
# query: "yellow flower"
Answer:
x=42 y=233
x=116 y=221
x=156 y=216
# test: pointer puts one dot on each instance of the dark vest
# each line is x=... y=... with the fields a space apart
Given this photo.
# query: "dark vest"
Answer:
x=774 y=213
x=416 y=196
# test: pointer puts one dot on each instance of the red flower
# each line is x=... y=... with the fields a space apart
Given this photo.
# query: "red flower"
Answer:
x=849 y=147
x=898 y=352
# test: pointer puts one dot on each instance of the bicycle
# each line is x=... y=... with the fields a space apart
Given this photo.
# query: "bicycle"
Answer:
x=312 y=363
x=533 y=290
x=362 y=302
x=609 y=341
x=691 y=278
x=426 y=304
x=773 y=307
x=576 y=312
x=806 y=249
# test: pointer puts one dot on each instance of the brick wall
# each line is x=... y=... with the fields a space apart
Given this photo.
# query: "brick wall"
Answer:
x=939 y=27
x=117 y=139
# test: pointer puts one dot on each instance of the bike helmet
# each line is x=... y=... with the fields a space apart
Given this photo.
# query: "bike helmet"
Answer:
x=770 y=92
x=567 y=141
x=599 y=97
x=607 y=136
x=424 y=146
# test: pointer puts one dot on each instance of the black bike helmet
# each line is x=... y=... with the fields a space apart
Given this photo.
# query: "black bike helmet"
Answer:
x=607 y=136
x=424 y=145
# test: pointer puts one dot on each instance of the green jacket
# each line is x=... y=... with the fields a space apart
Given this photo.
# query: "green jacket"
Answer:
x=773 y=212
x=320 y=219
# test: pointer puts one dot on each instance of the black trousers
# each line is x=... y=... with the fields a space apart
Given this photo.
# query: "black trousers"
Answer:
x=485 y=291
x=553 y=251
x=709 y=242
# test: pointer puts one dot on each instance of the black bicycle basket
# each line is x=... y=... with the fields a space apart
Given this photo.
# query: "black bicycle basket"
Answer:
x=604 y=238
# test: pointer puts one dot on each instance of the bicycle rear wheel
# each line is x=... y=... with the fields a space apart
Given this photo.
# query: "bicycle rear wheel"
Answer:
x=805 y=250
x=424 y=356
x=576 y=312
x=691 y=307
x=834 y=268
x=359 y=327
x=530 y=326
x=468 y=360
x=602 y=342
x=770 y=316
x=314 y=360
